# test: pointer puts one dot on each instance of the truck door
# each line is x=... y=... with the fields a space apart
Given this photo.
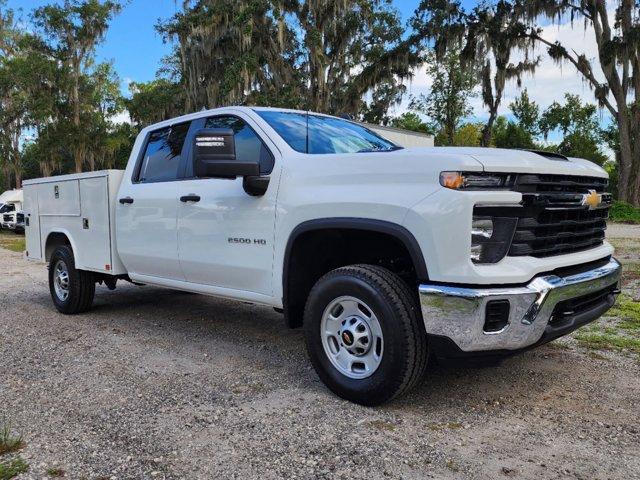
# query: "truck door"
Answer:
x=147 y=209
x=225 y=236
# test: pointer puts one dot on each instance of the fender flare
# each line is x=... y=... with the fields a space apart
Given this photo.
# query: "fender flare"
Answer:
x=393 y=229
x=64 y=232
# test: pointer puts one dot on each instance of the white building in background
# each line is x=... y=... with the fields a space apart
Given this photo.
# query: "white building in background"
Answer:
x=399 y=136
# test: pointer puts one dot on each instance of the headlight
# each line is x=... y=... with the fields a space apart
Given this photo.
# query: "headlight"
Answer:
x=475 y=180
x=491 y=238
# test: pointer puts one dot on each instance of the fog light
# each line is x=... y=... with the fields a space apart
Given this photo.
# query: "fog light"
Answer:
x=491 y=238
x=482 y=227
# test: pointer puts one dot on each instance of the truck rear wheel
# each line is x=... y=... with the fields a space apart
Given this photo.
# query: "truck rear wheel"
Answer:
x=72 y=290
x=364 y=334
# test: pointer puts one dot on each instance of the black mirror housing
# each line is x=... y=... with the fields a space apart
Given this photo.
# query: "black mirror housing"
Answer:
x=214 y=155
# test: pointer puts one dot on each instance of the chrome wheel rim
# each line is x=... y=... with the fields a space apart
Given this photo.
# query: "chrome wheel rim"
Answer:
x=352 y=337
x=61 y=280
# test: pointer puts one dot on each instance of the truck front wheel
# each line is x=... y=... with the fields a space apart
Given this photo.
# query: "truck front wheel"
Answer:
x=72 y=290
x=364 y=334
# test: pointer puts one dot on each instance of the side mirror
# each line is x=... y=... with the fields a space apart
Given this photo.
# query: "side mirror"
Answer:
x=214 y=155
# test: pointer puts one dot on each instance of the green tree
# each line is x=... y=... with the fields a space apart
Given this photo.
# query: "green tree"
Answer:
x=508 y=134
x=103 y=91
x=526 y=113
x=351 y=48
x=333 y=57
x=154 y=101
x=12 y=101
x=522 y=132
x=411 y=121
x=579 y=124
x=490 y=34
x=618 y=62
x=468 y=135
x=227 y=48
x=448 y=101
x=74 y=29
x=26 y=92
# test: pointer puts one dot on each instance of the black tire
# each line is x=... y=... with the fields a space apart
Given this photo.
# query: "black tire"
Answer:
x=405 y=354
x=81 y=284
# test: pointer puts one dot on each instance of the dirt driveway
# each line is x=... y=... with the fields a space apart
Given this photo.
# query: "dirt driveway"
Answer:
x=159 y=384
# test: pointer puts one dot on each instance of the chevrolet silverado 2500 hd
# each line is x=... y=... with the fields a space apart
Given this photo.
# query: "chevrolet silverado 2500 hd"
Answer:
x=387 y=256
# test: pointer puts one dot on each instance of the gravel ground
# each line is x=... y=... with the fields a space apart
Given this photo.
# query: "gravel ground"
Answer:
x=622 y=230
x=160 y=384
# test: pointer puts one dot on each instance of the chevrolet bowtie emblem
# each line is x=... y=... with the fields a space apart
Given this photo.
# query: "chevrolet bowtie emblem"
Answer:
x=592 y=199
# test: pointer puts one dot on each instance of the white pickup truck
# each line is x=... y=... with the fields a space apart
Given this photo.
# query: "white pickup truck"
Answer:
x=387 y=256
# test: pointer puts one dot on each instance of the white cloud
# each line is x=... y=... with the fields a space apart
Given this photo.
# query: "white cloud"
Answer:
x=122 y=117
x=550 y=81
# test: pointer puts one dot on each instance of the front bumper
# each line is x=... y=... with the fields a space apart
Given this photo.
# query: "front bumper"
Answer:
x=459 y=313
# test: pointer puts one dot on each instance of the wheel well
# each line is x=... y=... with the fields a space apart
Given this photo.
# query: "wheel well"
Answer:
x=54 y=240
x=313 y=252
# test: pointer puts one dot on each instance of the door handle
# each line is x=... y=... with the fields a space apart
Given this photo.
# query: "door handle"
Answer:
x=190 y=198
x=126 y=200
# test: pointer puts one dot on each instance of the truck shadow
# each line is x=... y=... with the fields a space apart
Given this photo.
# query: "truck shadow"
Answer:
x=256 y=339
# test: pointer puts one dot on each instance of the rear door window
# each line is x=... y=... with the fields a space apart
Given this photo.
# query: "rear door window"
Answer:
x=162 y=154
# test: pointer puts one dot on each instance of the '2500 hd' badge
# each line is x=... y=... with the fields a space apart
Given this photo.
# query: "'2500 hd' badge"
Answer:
x=247 y=241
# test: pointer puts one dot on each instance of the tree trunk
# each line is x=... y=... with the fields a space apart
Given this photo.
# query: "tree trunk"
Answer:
x=634 y=180
x=77 y=158
x=487 y=131
x=18 y=174
x=626 y=159
x=17 y=160
x=6 y=171
x=45 y=168
x=75 y=97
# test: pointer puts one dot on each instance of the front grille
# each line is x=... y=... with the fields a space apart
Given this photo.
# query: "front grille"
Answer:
x=529 y=183
x=8 y=217
x=553 y=220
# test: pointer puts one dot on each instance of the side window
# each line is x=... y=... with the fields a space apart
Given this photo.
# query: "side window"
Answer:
x=249 y=147
x=162 y=154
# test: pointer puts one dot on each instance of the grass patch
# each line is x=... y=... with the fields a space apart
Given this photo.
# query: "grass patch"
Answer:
x=55 y=472
x=628 y=311
x=13 y=468
x=8 y=442
x=598 y=356
x=13 y=242
x=625 y=246
x=618 y=331
x=436 y=427
x=453 y=466
x=624 y=213
x=608 y=341
x=382 y=425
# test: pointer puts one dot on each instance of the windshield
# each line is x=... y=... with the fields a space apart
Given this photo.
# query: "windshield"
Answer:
x=7 y=207
x=324 y=134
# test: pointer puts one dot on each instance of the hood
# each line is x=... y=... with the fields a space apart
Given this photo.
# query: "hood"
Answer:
x=519 y=161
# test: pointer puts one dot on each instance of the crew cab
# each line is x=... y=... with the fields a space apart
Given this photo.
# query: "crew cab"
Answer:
x=387 y=256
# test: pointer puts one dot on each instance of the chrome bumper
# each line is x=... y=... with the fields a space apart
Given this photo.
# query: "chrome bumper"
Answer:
x=459 y=313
